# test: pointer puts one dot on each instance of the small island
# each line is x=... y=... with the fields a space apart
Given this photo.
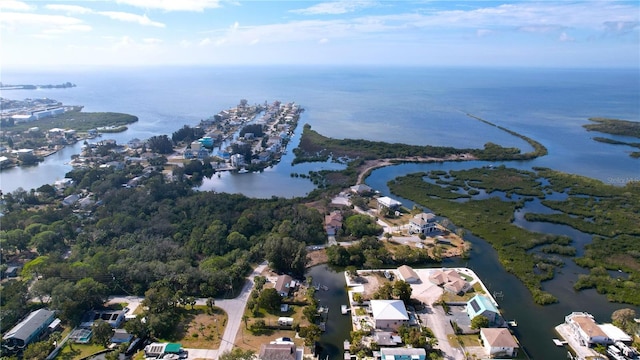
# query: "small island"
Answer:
x=616 y=127
x=34 y=87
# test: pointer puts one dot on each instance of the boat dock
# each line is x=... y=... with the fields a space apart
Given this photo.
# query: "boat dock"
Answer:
x=344 y=309
x=581 y=352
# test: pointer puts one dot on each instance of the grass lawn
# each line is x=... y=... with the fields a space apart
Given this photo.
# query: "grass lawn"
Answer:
x=469 y=340
x=450 y=297
x=79 y=351
x=200 y=329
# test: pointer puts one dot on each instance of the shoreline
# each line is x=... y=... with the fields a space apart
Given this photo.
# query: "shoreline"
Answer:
x=365 y=170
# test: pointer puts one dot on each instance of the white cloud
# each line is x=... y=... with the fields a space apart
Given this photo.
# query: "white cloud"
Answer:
x=173 y=5
x=484 y=32
x=254 y=42
x=70 y=9
x=334 y=7
x=204 y=42
x=564 y=37
x=40 y=25
x=323 y=41
x=15 y=5
x=620 y=27
x=128 y=17
x=68 y=29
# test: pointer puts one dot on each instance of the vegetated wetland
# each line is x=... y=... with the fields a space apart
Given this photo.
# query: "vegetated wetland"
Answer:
x=616 y=127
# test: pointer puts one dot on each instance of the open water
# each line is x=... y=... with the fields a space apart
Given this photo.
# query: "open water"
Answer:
x=406 y=105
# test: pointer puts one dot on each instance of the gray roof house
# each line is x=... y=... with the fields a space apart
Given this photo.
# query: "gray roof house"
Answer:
x=28 y=330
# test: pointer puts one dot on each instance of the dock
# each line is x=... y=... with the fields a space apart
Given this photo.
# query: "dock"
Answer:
x=344 y=309
x=559 y=342
x=581 y=352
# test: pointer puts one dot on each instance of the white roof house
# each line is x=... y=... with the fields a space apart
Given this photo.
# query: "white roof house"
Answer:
x=389 y=314
x=388 y=202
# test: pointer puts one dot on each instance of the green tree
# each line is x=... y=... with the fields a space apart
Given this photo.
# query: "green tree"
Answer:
x=102 y=332
x=479 y=322
x=402 y=290
x=38 y=350
x=270 y=300
x=624 y=319
x=360 y=225
x=237 y=354
x=136 y=327
x=311 y=334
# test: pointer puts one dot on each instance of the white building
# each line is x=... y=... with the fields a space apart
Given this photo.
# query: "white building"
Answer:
x=586 y=330
x=423 y=223
x=389 y=314
x=389 y=203
x=498 y=342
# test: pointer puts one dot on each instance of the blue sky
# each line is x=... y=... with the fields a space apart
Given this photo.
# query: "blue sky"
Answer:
x=354 y=32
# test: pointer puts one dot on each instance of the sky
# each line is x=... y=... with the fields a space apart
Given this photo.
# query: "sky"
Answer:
x=52 y=33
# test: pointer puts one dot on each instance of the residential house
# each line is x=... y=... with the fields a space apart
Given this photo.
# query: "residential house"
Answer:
x=278 y=352
x=284 y=285
x=408 y=274
x=586 y=330
x=70 y=200
x=423 y=223
x=482 y=305
x=28 y=330
x=115 y=318
x=333 y=223
x=360 y=189
x=499 y=343
x=121 y=336
x=11 y=272
x=403 y=354
x=388 y=203
x=389 y=314
x=450 y=281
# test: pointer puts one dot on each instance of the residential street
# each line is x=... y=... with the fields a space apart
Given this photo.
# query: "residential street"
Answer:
x=233 y=307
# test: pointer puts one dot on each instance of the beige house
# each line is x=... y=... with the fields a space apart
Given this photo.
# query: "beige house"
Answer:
x=450 y=281
x=408 y=274
x=498 y=342
x=586 y=330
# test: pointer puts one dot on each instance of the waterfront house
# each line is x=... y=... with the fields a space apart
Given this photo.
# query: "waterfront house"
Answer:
x=403 y=354
x=360 y=189
x=450 y=281
x=333 y=223
x=279 y=351
x=482 y=305
x=423 y=223
x=389 y=314
x=499 y=343
x=28 y=330
x=408 y=274
x=284 y=285
x=586 y=330
x=389 y=203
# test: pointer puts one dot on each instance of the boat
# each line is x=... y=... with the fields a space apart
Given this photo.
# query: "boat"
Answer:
x=243 y=171
x=344 y=309
x=324 y=287
x=512 y=323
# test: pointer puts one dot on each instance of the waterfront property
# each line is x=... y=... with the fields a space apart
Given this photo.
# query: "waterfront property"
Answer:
x=402 y=354
x=284 y=285
x=28 y=330
x=450 y=281
x=389 y=314
x=482 y=305
x=423 y=223
x=280 y=350
x=498 y=342
x=582 y=334
x=386 y=202
x=408 y=274
x=333 y=223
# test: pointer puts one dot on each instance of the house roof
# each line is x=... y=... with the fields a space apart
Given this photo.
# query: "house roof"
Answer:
x=334 y=219
x=615 y=333
x=456 y=286
x=389 y=310
x=388 y=202
x=499 y=337
x=423 y=218
x=407 y=272
x=277 y=352
x=588 y=325
x=402 y=352
x=360 y=188
x=479 y=304
x=440 y=277
x=283 y=282
x=30 y=324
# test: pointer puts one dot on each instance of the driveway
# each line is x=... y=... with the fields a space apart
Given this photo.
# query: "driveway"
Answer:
x=435 y=319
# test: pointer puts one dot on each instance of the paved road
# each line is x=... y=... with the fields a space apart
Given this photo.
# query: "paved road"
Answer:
x=434 y=318
x=233 y=307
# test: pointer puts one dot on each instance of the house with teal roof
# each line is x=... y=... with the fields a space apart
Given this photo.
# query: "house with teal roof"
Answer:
x=482 y=305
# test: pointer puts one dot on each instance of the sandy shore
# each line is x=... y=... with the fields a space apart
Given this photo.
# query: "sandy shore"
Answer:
x=370 y=165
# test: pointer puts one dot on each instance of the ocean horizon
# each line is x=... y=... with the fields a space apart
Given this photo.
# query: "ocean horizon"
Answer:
x=414 y=105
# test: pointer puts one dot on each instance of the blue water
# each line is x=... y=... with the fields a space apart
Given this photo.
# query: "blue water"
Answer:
x=408 y=105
